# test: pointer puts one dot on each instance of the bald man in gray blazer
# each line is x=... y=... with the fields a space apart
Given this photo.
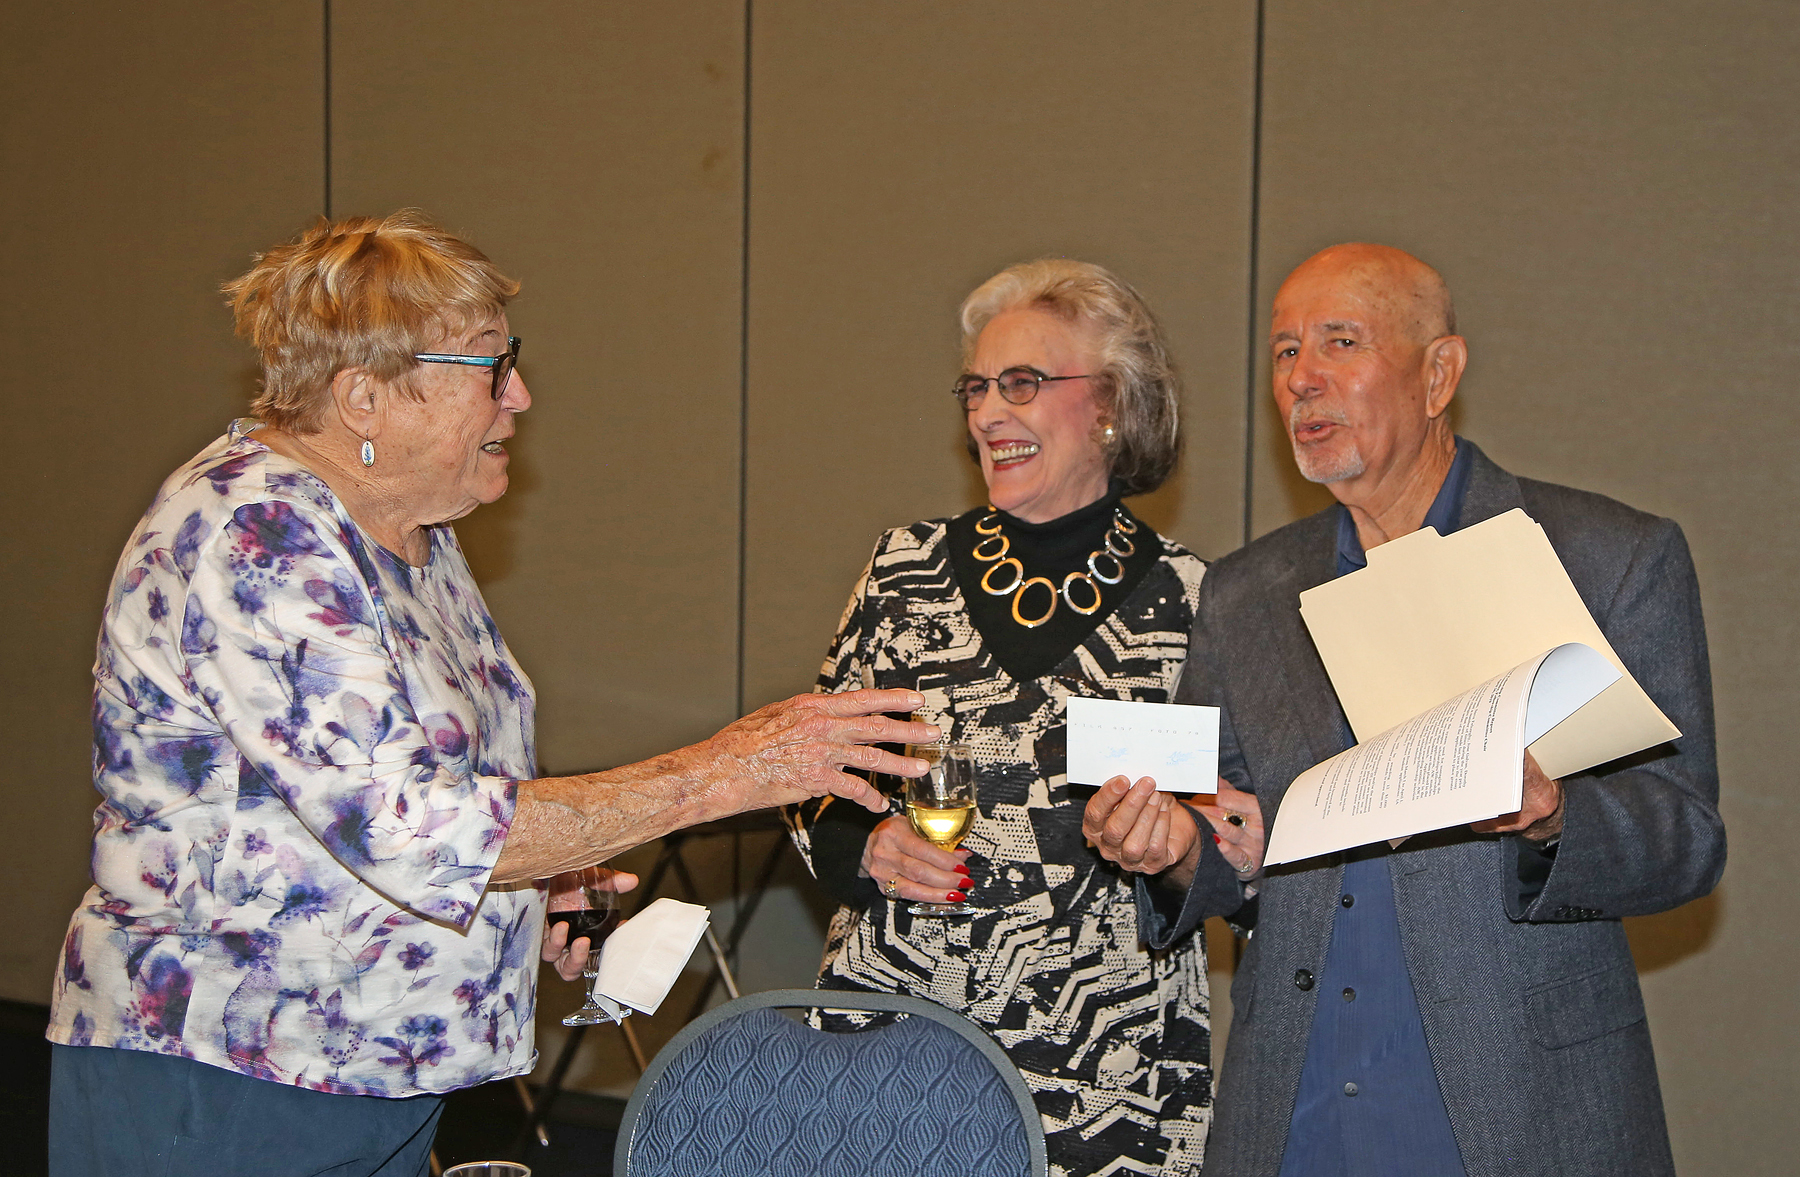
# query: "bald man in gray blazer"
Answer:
x=1466 y=1003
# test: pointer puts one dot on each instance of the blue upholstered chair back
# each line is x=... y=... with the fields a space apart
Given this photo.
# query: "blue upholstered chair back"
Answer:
x=745 y=1090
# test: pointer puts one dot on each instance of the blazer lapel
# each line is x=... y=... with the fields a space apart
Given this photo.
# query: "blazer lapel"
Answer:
x=1307 y=692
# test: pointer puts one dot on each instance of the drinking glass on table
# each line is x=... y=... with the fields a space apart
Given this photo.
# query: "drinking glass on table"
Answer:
x=941 y=806
x=594 y=920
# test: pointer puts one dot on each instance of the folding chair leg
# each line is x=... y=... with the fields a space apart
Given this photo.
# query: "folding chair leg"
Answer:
x=538 y=1111
x=746 y=911
x=718 y=955
x=631 y=1044
x=531 y=1116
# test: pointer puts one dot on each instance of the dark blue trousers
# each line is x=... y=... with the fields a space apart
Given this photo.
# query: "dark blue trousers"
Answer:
x=129 y=1113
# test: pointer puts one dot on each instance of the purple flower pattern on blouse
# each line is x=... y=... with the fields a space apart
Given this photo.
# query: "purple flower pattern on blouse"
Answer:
x=307 y=753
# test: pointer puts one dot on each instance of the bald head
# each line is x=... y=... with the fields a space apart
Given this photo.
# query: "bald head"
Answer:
x=1365 y=359
x=1410 y=293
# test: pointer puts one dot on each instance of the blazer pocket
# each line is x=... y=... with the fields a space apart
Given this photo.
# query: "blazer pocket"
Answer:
x=1583 y=1008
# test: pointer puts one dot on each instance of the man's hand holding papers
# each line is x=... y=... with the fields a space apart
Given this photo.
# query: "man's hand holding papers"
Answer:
x=1459 y=762
x=1540 y=816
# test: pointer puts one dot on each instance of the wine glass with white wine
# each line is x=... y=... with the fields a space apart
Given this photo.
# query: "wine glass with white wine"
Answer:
x=941 y=806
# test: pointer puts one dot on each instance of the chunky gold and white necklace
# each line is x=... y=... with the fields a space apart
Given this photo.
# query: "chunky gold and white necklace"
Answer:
x=1114 y=550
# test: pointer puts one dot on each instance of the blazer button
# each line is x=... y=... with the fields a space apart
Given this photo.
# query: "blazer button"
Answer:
x=1303 y=979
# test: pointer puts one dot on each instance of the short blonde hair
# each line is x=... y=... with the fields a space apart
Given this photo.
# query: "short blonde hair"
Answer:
x=357 y=293
x=1138 y=386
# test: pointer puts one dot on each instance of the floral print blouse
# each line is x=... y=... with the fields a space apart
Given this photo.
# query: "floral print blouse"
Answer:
x=307 y=752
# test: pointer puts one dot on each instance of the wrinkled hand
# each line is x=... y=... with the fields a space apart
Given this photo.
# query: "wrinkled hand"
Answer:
x=565 y=895
x=1140 y=829
x=906 y=866
x=1541 y=817
x=800 y=747
x=1240 y=841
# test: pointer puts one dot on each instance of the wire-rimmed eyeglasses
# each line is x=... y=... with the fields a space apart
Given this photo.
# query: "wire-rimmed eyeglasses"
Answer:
x=502 y=364
x=1017 y=385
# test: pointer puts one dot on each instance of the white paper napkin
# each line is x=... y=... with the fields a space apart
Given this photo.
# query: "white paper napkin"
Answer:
x=641 y=960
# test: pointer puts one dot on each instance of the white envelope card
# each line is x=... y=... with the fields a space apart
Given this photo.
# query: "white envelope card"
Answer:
x=1175 y=743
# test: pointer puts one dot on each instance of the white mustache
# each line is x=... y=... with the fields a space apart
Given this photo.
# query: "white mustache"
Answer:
x=1303 y=414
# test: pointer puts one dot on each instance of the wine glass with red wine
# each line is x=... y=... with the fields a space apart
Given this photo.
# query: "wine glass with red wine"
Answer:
x=594 y=920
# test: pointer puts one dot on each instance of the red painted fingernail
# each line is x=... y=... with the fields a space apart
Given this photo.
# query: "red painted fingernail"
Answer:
x=955 y=897
x=961 y=869
x=1217 y=840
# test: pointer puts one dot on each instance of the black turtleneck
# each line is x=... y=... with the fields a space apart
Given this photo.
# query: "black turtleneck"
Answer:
x=1051 y=550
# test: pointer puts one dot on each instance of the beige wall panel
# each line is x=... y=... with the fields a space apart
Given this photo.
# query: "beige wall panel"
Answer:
x=594 y=151
x=147 y=151
x=902 y=153
x=1610 y=190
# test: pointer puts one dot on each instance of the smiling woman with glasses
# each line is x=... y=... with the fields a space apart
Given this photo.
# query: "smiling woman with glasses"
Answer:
x=1053 y=587
x=322 y=852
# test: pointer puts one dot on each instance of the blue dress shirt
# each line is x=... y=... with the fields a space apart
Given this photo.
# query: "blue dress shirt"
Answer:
x=1369 y=1104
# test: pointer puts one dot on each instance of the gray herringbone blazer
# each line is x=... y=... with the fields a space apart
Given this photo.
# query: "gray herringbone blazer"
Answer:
x=1531 y=1004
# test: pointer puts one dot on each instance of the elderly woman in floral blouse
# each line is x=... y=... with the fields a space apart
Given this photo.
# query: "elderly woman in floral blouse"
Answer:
x=314 y=858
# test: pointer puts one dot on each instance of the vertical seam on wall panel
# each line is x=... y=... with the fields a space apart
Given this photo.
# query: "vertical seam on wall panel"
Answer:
x=326 y=90
x=743 y=529
x=1253 y=348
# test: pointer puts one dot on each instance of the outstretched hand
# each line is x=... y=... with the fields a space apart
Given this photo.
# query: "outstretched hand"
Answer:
x=777 y=755
x=800 y=747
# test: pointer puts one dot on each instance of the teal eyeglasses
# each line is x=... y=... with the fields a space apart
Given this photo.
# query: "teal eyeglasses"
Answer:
x=502 y=364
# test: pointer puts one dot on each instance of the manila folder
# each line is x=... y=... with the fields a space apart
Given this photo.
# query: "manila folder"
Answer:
x=1433 y=616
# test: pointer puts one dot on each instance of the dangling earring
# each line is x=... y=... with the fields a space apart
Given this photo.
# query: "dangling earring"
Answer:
x=368 y=452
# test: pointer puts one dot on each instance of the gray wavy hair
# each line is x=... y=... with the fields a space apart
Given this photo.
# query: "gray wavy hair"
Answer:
x=1138 y=386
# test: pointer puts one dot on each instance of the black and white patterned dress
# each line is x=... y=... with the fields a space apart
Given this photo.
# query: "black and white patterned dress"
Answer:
x=1112 y=1038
